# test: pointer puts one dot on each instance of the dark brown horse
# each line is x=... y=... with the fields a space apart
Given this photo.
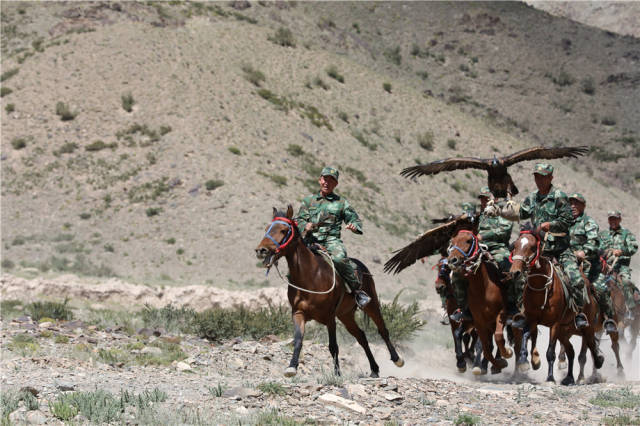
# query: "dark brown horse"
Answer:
x=620 y=307
x=545 y=304
x=317 y=292
x=484 y=295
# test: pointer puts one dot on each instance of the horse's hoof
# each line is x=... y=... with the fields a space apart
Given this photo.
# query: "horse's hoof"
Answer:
x=477 y=371
x=501 y=363
x=536 y=365
x=562 y=365
x=508 y=353
x=374 y=375
x=461 y=364
x=598 y=361
x=290 y=372
x=495 y=370
x=551 y=379
x=580 y=381
x=620 y=371
x=523 y=367
x=567 y=381
x=399 y=362
x=462 y=369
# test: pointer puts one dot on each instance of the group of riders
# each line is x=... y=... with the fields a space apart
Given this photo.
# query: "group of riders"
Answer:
x=572 y=239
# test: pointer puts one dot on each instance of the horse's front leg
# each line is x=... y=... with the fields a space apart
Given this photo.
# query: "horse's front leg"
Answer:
x=333 y=346
x=535 y=355
x=298 y=335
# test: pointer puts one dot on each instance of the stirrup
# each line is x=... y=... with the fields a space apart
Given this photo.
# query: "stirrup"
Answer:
x=581 y=321
x=362 y=298
x=519 y=320
x=445 y=319
x=610 y=326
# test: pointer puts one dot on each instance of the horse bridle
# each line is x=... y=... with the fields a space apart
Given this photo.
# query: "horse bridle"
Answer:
x=291 y=225
x=473 y=250
x=531 y=260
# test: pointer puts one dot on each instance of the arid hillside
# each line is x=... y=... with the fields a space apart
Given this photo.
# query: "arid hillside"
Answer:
x=151 y=141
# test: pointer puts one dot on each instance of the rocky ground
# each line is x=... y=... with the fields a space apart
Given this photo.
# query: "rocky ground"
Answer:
x=242 y=382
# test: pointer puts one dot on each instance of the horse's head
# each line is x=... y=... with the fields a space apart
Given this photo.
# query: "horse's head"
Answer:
x=525 y=253
x=280 y=232
x=463 y=247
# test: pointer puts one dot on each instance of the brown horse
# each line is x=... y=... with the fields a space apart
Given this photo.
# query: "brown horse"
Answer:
x=317 y=292
x=484 y=295
x=469 y=335
x=620 y=308
x=545 y=304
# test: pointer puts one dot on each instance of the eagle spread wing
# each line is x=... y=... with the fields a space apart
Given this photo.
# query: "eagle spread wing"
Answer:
x=426 y=244
x=446 y=165
x=541 y=152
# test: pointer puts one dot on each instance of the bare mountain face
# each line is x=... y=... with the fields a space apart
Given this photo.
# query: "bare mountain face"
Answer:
x=151 y=141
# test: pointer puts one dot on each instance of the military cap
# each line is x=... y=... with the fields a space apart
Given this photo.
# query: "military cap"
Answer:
x=468 y=207
x=615 y=213
x=543 y=169
x=485 y=192
x=578 y=196
x=330 y=171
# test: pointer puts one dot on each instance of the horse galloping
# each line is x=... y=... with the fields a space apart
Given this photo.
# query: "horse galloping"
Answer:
x=620 y=307
x=317 y=292
x=545 y=304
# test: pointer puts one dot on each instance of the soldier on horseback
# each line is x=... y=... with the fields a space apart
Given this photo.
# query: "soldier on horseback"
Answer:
x=585 y=245
x=323 y=213
x=620 y=243
x=549 y=211
x=494 y=232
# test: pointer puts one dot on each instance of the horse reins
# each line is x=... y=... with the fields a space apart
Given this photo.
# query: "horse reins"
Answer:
x=285 y=242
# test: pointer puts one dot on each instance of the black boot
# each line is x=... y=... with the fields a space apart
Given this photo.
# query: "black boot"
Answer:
x=460 y=315
x=581 y=321
x=610 y=326
x=362 y=298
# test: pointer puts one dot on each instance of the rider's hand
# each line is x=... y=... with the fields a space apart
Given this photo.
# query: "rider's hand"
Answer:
x=351 y=227
x=308 y=227
x=580 y=254
x=479 y=237
x=617 y=252
x=545 y=226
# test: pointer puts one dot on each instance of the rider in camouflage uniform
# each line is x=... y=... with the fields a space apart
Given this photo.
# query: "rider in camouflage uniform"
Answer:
x=549 y=211
x=494 y=232
x=323 y=213
x=620 y=242
x=585 y=245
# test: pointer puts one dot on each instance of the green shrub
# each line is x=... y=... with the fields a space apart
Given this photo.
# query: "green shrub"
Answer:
x=67 y=148
x=170 y=318
x=100 y=145
x=467 y=419
x=18 y=143
x=563 y=79
x=588 y=86
x=62 y=410
x=318 y=82
x=402 y=321
x=170 y=240
x=234 y=150
x=425 y=140
x=622 y=398
x=61 y=339
x=423 y=74
x=360 y=137
x=153 y=211
x=219 y=324
x=386 y=86
x=212 y=184
x=8 y=74
x=4 y=91
x=10 y=108
x=23 y=343
x=393 y=55
x=451 y=143
x=55 y=310
x=332 y=72
x=252 y=75
x=64 y=112
x=217 y=390
x=164 y=130
x=283 y=37
x=277 y=179
x=343 y=116
x=295 y=150
x=608 y=120
x=7 y=264
x=127 y=102
x=282 y=104
x=272 y=388
x=85 y=216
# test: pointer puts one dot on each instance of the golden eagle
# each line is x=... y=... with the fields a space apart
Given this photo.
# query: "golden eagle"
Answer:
x=429 y=243
x=499 y=181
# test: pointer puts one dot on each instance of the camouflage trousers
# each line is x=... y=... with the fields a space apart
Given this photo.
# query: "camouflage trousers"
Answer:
x=599 y=280
x=628 y=288
x=569 y=265
x=343 y=265
x=460 y=283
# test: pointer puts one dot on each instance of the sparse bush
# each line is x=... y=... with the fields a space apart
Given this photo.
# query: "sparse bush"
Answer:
x=563 y=79
x=401 y=321
x=23 y=343
x=38 y=44
x=608 y=120
x=67 y=148
x=318 y=82
x=153 y=211
x=61 y=339
x=425 y=140
x=282 y=104
x=7 y=264
x=234 y=150
x=18 y=143
x=360 y=137
x=277 y=179
x=64 y=112
x=212 y=184
x=464 y=67
x=386 y=86
x=272 y=388
x=164 y=130
x=393 y=55
x=180 y=251
x=332 y=72
x=252 y=75
x=100 y=145
x=283 y=37
x=588 y=86
x=467 y=419
x=170 y=318
x=602 y=154
x=170 y=240
x=55 y=310
x=8 y=74
x=295 y=150
x=127 y=102
x=423 y=74
x=457 y=95
x=4 y=91
x=219 y=324
x=343 y=116
x=217 y=390
x=10 y=108
x=622 y=398
x=451 y=143
x=85 y=216
x=62 y=410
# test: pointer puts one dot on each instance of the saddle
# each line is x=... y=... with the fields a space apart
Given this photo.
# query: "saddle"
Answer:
x=566 y=286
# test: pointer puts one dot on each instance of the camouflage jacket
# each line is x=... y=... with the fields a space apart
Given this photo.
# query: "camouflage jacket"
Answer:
x=554 y=208
x=495 y=231
x=621 y=239
x=584 y=236
x=331 y=210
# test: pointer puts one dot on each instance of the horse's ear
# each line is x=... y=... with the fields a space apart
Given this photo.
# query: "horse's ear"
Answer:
x=275 y=212
x=289 y=211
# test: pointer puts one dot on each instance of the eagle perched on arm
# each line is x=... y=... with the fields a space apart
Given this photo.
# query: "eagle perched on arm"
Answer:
x=499 y=180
